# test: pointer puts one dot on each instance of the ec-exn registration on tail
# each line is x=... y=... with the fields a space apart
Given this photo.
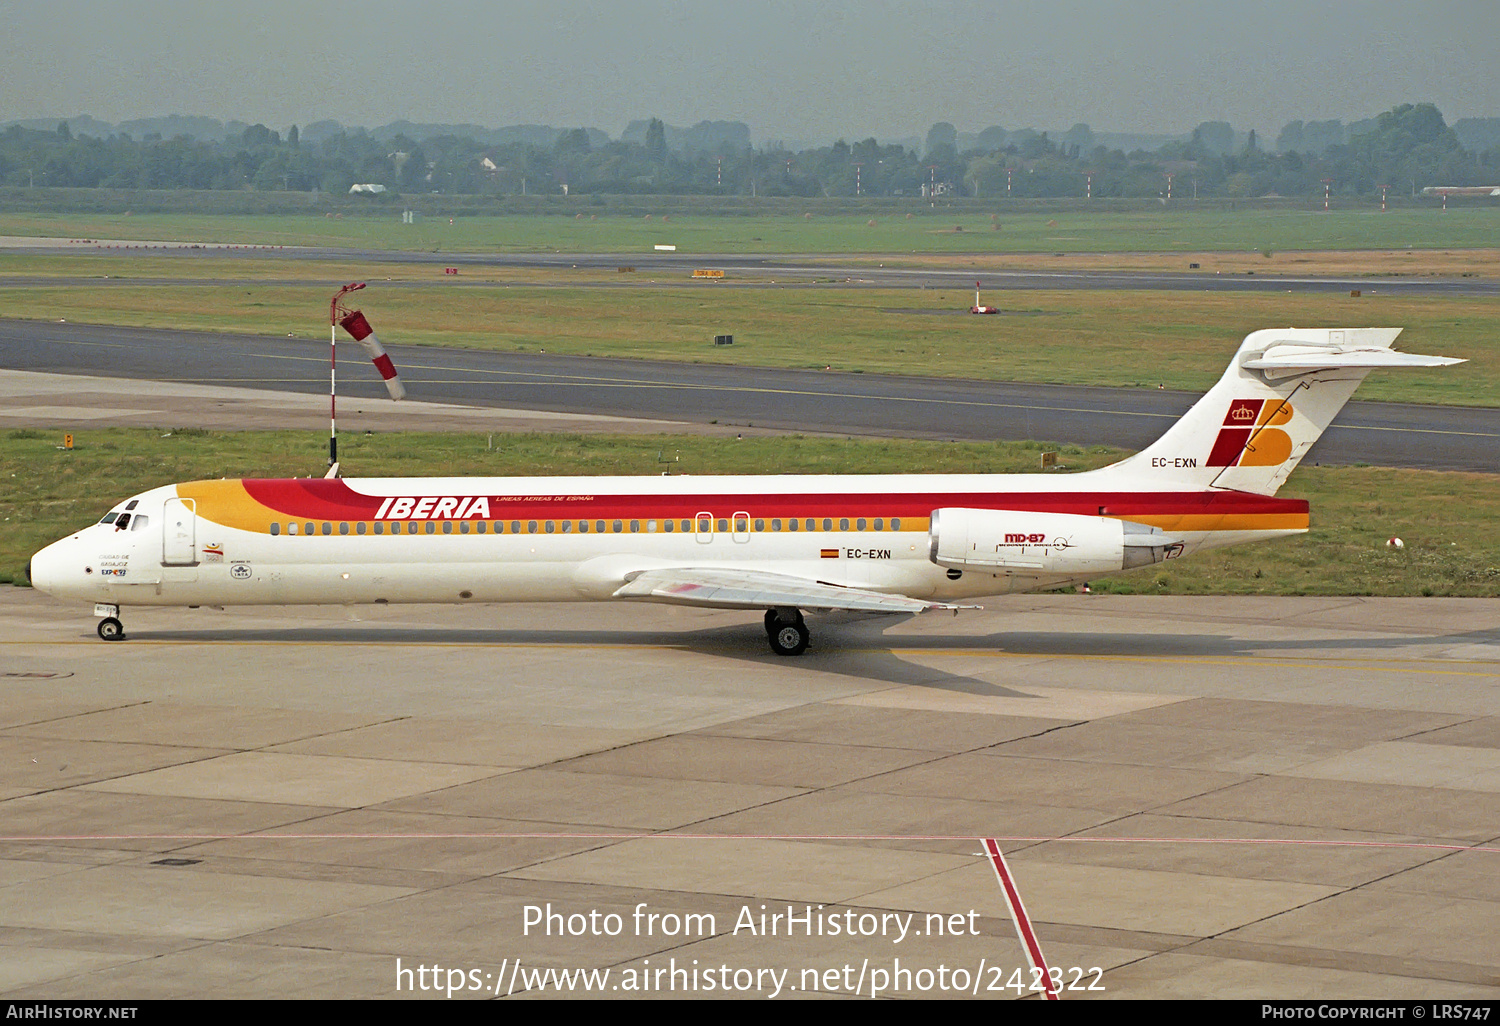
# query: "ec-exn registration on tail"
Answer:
x=783 y=544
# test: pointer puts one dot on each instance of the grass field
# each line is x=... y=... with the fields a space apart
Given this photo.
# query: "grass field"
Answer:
x=999 y=229
x=1446 y=520
x=1180 y=339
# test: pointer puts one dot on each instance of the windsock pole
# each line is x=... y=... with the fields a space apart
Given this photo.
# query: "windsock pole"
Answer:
x=334 y=312
x=333 y=392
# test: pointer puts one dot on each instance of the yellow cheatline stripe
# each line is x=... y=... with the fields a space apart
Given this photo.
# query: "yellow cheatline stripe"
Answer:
x=1220 y=521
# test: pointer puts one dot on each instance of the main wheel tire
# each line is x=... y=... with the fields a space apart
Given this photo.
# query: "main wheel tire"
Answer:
x=789 y=639
x=111 y=629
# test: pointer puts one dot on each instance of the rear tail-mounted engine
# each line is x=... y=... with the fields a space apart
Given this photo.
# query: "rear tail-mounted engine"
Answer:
x=1003 y=541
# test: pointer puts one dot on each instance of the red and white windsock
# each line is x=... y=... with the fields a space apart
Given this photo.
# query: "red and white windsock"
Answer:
x=355 y=324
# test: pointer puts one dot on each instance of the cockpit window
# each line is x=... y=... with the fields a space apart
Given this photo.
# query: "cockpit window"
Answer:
x=140 y=521
x=123 y=522
x=109 y=518
x=131 y=504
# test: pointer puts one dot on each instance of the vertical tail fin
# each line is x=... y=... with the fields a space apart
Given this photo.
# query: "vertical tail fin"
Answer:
x=1280 y=392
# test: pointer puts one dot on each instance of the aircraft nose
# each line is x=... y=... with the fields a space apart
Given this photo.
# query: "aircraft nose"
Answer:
x=47 y=569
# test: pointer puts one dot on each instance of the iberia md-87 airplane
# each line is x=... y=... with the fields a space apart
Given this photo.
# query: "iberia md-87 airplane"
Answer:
x=905 y=543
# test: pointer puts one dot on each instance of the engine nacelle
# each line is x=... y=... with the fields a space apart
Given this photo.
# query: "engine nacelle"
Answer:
x=1055 y=543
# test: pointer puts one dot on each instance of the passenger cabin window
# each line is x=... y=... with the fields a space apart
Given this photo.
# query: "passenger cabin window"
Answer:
x=275 y=529
x=895 y=523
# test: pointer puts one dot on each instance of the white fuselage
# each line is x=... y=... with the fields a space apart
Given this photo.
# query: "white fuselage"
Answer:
x=504 y=539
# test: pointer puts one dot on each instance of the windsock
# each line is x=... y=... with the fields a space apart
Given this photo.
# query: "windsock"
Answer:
x=355 y=324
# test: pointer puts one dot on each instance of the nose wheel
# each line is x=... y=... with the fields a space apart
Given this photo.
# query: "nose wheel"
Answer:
x=787 y=631
x=111 y=629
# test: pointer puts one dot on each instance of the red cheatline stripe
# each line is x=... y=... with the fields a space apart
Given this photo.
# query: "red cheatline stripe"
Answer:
x=1020 y=918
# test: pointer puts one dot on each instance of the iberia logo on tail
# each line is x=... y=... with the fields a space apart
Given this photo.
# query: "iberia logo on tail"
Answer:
x=1249 y=437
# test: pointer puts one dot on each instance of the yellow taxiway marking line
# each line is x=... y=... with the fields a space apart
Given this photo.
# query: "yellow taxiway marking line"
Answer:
x=1351 y=663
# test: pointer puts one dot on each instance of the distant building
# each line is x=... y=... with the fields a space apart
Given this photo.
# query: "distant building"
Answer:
x=366 y=187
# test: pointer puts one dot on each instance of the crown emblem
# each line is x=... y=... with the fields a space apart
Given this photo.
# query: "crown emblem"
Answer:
x=1242 y=413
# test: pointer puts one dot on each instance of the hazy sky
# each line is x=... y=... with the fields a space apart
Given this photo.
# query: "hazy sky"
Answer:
x=799 y=70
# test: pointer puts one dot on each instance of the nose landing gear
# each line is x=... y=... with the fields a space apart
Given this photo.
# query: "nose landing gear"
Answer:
x=110 y=628
x=787 y=631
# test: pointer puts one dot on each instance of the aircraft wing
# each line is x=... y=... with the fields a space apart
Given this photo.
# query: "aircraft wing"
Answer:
x=755 y=589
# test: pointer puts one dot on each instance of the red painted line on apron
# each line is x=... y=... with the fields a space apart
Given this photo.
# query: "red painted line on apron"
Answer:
x=1020 y=918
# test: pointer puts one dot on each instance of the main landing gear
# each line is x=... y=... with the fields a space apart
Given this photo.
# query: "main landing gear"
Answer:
x=787 y=631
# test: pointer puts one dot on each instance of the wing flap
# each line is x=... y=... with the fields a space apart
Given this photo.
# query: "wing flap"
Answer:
x=753 y=589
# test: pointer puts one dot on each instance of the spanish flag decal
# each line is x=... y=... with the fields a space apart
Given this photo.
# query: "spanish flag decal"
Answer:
x=830 y=553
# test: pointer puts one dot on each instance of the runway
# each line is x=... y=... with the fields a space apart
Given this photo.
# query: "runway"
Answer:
x=1198 y=797
x=707 y=395
x=756 y=270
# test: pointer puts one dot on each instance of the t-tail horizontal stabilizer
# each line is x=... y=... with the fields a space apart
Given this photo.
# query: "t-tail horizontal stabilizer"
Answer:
x=1278 y=395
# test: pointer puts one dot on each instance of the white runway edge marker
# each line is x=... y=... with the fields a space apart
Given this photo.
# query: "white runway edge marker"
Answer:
x=1020 y=918
x=355 y=324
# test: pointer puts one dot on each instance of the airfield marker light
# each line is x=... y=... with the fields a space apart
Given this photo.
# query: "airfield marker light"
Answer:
x=1088 y=190
x=1382 y=197
x=1327 y=186
x=1169 y=186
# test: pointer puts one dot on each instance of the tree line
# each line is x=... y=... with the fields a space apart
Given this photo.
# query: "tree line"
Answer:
x=1407 y=148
